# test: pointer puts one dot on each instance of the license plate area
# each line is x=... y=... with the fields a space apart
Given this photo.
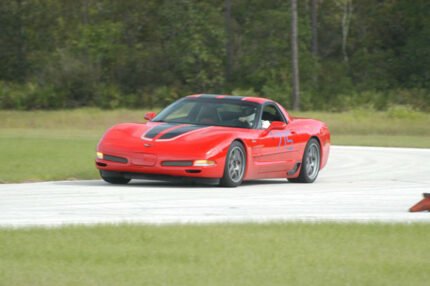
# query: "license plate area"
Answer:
x=144 y=159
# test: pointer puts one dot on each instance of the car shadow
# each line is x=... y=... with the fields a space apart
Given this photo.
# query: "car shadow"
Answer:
x=265 y=182
x=164 y=184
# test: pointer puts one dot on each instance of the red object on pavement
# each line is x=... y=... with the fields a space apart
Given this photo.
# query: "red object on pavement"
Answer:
x=423 y=205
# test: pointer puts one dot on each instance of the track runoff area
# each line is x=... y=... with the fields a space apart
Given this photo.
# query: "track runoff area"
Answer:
x=359 y=184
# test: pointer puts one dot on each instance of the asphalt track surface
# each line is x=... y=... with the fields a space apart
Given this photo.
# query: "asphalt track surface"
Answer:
x=360 y=184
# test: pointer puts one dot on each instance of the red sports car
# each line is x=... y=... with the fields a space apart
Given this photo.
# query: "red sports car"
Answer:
x=215 y=138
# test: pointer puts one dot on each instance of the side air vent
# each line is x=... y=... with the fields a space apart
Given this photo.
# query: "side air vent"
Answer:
x=193 y=171
x=177 y=163
x=115 y=159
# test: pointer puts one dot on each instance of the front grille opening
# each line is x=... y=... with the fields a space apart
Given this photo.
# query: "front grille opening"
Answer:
x=177 y=163
x=115 y=159
x=101 y=164
x=193 y=171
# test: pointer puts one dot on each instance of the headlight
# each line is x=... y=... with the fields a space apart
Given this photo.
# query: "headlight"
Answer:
x=203 y=163
x=99 y=155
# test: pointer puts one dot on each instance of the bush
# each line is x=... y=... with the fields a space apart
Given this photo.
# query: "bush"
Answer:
x=163 y=96
x=278 y=92
x=107 y=96
x=72 y=76
x=403 y=112
x=418 y=99
x=71 y=90
x=244 y=92
x=30 y=96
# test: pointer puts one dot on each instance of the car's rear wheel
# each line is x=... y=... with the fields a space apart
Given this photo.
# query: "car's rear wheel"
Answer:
x=115 y=180
x=235 y=166
x=310 y=163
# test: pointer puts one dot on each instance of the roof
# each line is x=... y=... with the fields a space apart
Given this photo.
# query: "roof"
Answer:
x=259 y=100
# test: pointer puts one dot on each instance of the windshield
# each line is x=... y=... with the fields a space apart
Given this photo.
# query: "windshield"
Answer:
x=217 y=112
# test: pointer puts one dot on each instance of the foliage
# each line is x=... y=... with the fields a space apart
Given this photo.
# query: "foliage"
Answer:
x=403 y=112
x=29 y=96
x=66 y=54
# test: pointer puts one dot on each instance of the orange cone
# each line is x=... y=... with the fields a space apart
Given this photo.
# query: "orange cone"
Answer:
x=423 y=205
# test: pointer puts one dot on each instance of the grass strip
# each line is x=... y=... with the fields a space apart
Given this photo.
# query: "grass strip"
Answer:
x=223 y=254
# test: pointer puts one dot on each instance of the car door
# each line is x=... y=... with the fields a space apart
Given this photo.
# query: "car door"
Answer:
x=272 y=153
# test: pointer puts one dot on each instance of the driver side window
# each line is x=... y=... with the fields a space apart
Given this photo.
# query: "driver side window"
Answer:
x=270 y=114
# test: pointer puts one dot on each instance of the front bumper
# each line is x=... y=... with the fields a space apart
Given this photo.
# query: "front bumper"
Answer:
x=150 y=165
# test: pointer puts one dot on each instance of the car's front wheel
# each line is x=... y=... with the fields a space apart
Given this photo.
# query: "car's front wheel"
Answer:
x=310 y=163
x=115 y=180
x=235 y=165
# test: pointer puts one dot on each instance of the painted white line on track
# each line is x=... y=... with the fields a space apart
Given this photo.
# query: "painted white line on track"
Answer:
x=360 y=184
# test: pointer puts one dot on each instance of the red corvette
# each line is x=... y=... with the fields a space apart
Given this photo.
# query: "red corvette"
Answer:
x=217 y=138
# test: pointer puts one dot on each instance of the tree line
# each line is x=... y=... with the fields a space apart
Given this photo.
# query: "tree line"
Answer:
x=134 y=53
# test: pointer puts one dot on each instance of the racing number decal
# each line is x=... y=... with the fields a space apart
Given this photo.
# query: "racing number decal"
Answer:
x=284 y=139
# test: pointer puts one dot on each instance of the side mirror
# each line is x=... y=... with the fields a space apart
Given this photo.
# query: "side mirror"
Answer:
x=150 y=115
x=275 y=125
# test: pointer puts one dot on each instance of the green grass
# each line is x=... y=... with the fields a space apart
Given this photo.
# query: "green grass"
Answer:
x=370 y=128
x=243 y=254
x=54 y=145
x=383 y=140
x=35 y=159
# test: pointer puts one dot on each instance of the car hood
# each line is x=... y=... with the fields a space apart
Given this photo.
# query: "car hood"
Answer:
x=154 y=137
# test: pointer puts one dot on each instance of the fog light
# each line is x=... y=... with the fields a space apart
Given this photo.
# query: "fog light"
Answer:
x=204 y=163
x=99 y=155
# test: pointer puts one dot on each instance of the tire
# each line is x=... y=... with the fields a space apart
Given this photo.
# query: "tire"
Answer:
x=235 y=166
x=115 y=180
x=310 y=163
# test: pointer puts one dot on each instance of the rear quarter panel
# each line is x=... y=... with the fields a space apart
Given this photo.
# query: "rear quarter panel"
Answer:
x=308 y=128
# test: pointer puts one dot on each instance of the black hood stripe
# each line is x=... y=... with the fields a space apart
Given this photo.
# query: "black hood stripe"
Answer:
x=158 y=129
x=181 y=130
